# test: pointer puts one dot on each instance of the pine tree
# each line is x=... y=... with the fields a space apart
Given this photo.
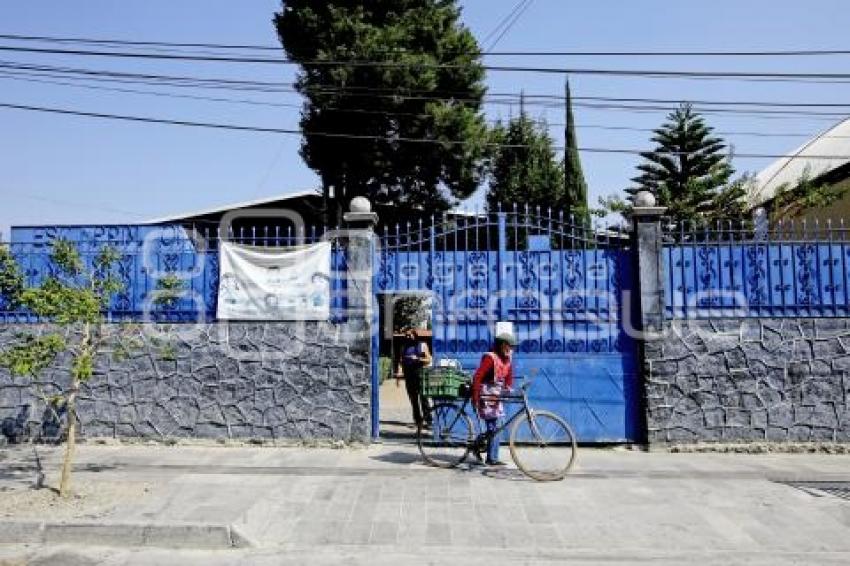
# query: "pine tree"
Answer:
x=525 y=170
x=687 y=171
x=575 y=187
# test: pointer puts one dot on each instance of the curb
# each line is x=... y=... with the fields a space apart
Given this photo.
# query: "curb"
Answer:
x=161 y=535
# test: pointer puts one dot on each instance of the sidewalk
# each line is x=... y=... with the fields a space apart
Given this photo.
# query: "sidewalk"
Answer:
x=380 y=503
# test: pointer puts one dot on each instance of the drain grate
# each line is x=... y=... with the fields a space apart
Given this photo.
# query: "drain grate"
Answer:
x=840 y=489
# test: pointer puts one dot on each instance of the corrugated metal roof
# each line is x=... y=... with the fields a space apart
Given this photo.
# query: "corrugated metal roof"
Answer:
x=789 y=170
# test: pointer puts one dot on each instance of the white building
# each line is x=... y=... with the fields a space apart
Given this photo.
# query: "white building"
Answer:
x=825 y=158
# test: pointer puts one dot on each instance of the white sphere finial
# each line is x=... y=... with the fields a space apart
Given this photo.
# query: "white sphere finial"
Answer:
x=360 y=205
x=645 y=199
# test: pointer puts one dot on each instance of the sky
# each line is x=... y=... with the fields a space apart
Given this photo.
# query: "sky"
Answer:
x=74 y=170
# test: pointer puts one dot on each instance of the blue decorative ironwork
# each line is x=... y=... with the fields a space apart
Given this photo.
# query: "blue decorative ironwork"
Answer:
x=481 y=269
x=528 y=282
x=477 y=278
x=756 y=270
x=806 y=275
x=126 y=270
x=386 y=276
x=733 y=273
x=708 y=278
x=574 y=281
x=146 y=254
x=573 y=262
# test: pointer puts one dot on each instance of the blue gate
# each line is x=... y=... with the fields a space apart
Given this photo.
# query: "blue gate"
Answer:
x=561 y=285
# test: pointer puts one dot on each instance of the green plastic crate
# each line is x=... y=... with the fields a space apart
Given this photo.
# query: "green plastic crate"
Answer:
x=443 y=383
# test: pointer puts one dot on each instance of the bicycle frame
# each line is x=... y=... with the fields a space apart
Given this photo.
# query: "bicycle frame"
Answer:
x=452 y=449
x=521 y=399
x=512 y=399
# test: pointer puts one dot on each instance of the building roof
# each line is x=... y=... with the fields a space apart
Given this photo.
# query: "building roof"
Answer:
x=307 y=203
x=232 y=206
x=788 y=170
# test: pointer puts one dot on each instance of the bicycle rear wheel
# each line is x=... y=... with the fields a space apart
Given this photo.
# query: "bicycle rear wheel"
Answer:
x=543 y=445
x=447 y=443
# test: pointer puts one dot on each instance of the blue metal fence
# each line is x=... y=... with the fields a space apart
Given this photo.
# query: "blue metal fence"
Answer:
x=562 y=293
x=559 y=282
x=150 y=254
x=796 y=269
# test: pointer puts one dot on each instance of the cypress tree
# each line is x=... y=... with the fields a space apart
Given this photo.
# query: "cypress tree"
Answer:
x=575 y=187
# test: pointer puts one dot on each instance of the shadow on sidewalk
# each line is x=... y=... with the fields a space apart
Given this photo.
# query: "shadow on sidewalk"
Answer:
x=398 y=457
x=397 y=431
x=505 y=474
x=403 y=458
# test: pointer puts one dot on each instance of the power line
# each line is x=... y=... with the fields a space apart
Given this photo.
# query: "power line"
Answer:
x=720 y=133
x=765 y=114
x=600 y=103
x=775 y=53
x=366 y=94
x=657 y=74
x=124 y=42
x=377 y=112
x=394 y=139
x=503 y=22
x=7 y=76
x=564 y=53
x=523 y=6
x=141 y=76
x=393 y=93
x=605 y=106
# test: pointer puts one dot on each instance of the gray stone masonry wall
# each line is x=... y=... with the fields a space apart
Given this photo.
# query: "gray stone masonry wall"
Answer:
x=781 y=380
x=285 y=380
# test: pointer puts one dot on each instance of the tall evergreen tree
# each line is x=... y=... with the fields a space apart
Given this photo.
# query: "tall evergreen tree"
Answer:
x=383 y=107
x=525 y=169
x=691 y=175
x=688 y=170
x=575 y=187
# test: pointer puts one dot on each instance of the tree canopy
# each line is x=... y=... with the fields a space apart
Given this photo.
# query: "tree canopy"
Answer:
x=688 y=170
x=525 y=169
x=383 y=107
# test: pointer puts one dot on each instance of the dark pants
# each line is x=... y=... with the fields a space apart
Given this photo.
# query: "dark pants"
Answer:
x=413 y=384
x=492 y=440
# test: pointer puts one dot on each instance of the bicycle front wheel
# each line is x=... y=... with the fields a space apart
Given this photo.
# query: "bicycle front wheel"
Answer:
x=543 y=445
x=447 y=443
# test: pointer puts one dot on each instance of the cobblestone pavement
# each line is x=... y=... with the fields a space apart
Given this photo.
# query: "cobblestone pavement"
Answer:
x=380 y=505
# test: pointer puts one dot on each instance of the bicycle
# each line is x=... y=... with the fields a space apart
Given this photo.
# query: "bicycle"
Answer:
x=542 y=444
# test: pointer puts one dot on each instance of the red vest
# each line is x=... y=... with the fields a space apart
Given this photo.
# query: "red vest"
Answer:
x=501 y=368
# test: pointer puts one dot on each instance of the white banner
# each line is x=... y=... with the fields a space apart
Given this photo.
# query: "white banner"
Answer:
x=274 y=284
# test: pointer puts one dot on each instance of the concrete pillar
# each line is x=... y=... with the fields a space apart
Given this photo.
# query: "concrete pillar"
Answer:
x=647 y=245
x=648 y=310
x=362 y=315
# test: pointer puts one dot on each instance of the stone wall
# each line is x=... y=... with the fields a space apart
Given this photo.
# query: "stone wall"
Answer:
x=286 y=380
x=749 y=380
